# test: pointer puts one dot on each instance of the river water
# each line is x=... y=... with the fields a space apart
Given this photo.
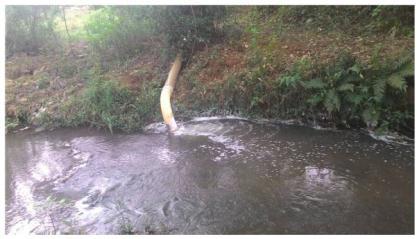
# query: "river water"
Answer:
x=213 y=176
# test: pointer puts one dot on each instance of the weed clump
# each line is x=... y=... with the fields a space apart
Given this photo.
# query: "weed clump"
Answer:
x=105 y=103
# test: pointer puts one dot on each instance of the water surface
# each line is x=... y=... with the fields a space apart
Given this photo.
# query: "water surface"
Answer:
x=213 y=176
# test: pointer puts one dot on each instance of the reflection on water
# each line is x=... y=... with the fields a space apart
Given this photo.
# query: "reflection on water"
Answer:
x=323 y=176
x=212 y=176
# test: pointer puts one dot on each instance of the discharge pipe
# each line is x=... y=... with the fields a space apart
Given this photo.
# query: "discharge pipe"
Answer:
x=166 y=95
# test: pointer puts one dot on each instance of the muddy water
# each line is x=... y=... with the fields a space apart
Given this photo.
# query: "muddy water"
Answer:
x=218 y=176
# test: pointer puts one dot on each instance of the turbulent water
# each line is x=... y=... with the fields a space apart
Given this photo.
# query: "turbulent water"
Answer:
x=213 y=176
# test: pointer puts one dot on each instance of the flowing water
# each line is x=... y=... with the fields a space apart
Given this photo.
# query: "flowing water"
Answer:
x=213 y=176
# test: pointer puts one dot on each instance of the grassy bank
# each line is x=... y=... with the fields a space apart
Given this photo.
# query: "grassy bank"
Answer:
x=349 y=67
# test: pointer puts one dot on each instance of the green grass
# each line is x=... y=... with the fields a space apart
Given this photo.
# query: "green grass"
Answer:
x=106 y=104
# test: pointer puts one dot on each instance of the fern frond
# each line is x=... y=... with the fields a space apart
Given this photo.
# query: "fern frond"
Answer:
x=346 y=87
x=379 y=88
x=355 y=68
x=403 y=61
x=396 y=81
x=404 y=66
x=332 y=101
x=289 y=80
x=352 y=78
x=314 y=84
x=354 y=98
x=407 y=69
x=315 y=100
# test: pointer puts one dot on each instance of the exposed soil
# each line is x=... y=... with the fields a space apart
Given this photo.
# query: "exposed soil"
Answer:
x=36 y=82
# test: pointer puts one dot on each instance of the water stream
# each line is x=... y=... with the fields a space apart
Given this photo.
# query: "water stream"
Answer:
x=213 y=176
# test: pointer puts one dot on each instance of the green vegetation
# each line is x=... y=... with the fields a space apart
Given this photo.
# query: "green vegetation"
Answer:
x=341 y=90
x=30 y=29
x=106 y=104
x=104 y=66
x=114 y=33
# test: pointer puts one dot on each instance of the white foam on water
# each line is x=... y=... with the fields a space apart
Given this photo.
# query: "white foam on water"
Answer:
x=24 y=227
x=215 y=131
x=83 y=158
x=156 y=128
x=228 y=143
x=166 y=156
x=161 y=127
x=197 y=119
x=90 y=210
x=391 y=138
x=87 y=214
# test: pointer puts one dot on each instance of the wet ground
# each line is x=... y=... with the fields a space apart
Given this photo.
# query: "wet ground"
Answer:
x=213 y=176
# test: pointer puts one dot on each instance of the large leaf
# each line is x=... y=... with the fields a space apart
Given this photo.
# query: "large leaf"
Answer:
x=314 y=84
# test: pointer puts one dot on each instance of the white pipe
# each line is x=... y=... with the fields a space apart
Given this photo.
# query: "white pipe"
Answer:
x=166 y=95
